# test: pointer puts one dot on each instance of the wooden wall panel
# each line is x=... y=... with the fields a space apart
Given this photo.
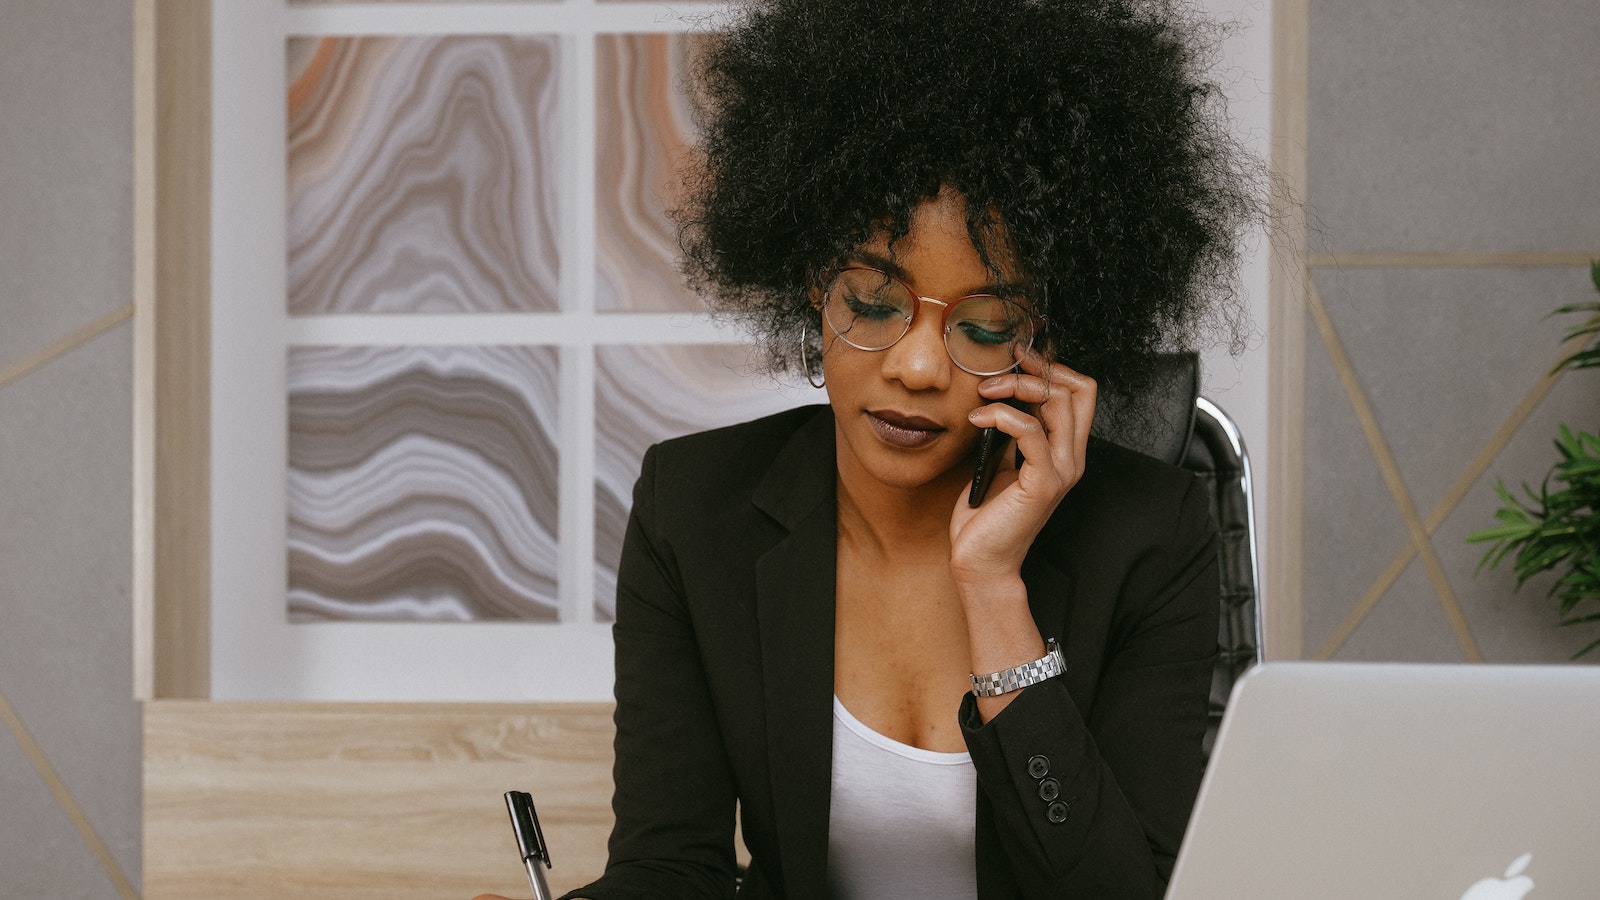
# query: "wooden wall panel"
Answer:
x=1282 y=613
x=343 y=800
x=172 y=350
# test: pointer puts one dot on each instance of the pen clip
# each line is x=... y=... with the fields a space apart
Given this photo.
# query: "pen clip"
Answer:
x=530 y=838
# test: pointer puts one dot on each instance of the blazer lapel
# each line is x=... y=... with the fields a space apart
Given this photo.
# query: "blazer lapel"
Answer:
x=795 y=586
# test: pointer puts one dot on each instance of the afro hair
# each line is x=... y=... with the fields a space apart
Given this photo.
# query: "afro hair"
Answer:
x=1091 y=149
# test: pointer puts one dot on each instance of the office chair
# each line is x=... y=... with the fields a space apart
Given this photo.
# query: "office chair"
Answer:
x=1185 y=429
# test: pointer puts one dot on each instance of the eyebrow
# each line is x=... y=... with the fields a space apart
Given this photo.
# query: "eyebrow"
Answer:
x=890 y=267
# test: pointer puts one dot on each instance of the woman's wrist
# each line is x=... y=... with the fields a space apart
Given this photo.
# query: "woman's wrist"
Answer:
x=998 y=655
x=986 y=590
x=974 y=566
x=1000 y=629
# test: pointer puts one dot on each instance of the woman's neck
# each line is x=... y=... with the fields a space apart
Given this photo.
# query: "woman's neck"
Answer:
x=887 y=519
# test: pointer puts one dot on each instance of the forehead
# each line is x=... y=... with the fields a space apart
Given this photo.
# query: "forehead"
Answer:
x=937 y=246
x=936 y=255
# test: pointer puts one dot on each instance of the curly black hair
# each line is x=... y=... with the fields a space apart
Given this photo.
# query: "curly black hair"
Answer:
x=1084 y=135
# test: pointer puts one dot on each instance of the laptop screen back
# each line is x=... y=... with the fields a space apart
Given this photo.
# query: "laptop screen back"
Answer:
x=1340 y=780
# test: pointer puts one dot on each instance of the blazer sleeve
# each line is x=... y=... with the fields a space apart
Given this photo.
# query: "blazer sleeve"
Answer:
x=1093 y=803
x=674 y=793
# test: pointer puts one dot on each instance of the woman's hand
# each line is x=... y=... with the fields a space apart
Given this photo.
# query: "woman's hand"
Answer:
x=988 y=544
x=990 y=541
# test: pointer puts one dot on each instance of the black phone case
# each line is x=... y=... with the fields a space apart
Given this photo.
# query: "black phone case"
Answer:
x=991 y=449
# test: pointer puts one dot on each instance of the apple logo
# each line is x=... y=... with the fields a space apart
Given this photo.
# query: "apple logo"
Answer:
x=1514 y=886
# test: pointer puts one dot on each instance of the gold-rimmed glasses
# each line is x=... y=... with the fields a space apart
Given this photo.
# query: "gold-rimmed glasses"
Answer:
x=871 y=310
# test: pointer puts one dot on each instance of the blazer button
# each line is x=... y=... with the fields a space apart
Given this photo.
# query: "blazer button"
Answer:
x=1057 y=812
x=1039 y=766
x=1049 y=789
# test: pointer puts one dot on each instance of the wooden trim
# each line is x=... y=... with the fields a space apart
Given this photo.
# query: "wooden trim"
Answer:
x=1282 y=614
x=64 y=799
x=37 y=360
x=144 y=292
x=1453 y=260
x=172 y=377
x=1447 y=504
x=339 y=800
x=1421 y=540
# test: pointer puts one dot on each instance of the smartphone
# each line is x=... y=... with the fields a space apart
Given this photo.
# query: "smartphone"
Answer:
x=991 y=450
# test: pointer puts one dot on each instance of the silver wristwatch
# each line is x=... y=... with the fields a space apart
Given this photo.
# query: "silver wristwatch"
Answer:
x=1018 y=677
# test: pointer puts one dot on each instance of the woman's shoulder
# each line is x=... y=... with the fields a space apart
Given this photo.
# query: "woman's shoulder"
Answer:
x=739 y=455
x=1125 y=491
x=1113 y=466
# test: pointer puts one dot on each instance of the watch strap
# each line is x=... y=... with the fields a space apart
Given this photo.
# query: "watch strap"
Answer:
x=1018 y=677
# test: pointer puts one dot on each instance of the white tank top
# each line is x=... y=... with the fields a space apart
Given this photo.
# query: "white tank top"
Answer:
x=900 y=825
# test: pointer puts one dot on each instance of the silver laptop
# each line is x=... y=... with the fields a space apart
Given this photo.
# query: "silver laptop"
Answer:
x=1347 y=780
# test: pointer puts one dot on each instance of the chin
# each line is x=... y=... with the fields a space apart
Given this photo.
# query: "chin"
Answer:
x=911 y=470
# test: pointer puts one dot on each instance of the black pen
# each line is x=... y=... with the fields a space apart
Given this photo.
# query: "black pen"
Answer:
x=530 y=841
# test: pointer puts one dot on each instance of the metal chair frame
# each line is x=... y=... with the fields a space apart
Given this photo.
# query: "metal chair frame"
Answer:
x=1238 y=647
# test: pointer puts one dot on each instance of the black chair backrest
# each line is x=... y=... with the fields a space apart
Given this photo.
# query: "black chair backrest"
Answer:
x=1163 y=422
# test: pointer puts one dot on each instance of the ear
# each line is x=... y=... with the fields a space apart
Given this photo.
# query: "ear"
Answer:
x=814 y=287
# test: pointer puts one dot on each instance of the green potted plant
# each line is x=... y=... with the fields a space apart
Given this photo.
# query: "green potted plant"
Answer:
x=1557 y=528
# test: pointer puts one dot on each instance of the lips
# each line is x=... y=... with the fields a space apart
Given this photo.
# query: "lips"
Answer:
x=902 y=430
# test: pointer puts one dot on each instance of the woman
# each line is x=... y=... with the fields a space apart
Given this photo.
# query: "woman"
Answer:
x=961 y=215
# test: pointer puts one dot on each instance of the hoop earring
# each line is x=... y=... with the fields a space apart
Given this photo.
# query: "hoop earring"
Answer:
x=805 y=364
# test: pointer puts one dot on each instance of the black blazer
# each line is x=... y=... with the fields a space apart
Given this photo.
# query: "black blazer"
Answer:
x=724 y=664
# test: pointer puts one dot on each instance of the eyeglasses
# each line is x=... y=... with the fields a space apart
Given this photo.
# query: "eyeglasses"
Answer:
x=871 y=310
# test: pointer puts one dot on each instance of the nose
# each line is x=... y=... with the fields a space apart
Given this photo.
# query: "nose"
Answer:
x=919 y=360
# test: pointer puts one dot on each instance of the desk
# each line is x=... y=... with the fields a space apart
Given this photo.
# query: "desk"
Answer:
x=347 y=800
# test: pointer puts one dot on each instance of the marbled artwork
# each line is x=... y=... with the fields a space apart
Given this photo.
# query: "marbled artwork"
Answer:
x=422 y=483
x=643 y=126
x=648 y=393
x=422 y=174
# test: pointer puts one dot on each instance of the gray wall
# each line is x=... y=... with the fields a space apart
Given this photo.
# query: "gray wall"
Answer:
x=1441 y=126
x=65 y=562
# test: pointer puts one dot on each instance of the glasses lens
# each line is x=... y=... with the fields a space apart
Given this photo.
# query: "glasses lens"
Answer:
x=983 y=331
x=868 y=309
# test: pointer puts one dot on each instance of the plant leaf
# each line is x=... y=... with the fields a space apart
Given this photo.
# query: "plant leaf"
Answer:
x=1557 y=527
x=1593 y=644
